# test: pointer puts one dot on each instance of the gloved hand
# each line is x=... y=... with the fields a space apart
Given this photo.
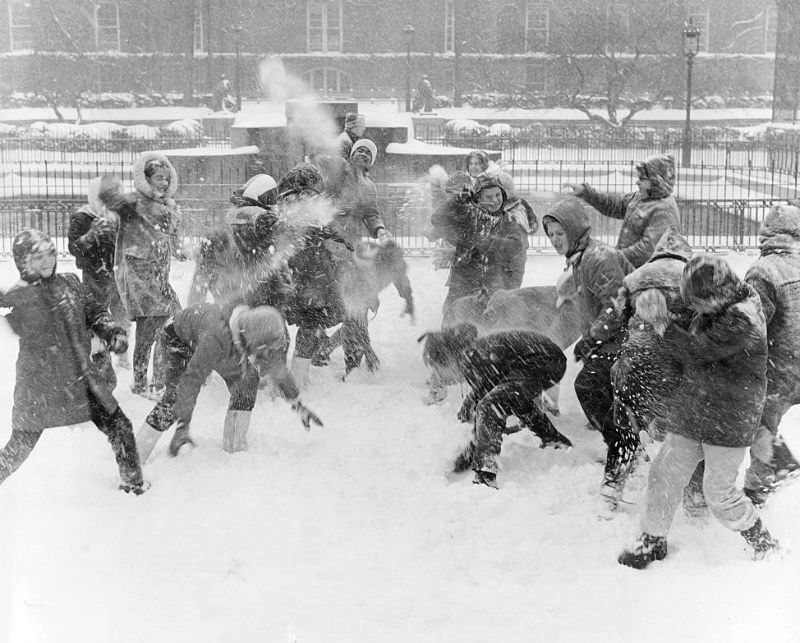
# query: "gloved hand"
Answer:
x=572 y=189
x=585 y=347
x=119 y=342
x=307 y=416
x=467 y=411
x=384 y=236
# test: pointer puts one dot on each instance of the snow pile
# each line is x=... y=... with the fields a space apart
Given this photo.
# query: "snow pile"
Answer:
x=353 y=533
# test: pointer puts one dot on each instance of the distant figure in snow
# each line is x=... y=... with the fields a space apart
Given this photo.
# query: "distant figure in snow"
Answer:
x=425 y=94
x=57 y=381
x=354 y=127
x=721 y=342
x=222 y=100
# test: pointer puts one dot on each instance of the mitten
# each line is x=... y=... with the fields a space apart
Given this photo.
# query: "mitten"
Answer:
x=119 y=342
x=384 y=236
x=585 y=348
x=307 y=416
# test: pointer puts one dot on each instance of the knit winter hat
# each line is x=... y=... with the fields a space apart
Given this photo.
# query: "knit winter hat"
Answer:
x=484 y=182
x=781 y=219
x=353 y=119
x=258 y=330
x=711 y=279
x=29 y=247
x=300 y=178
x=660 y=171
x=365 y=143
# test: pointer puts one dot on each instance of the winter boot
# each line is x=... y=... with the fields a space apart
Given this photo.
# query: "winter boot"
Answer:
x=146 y=438
x=464 y=460
x=299 y=369
x=609 y=498
x=486 y=478
x=551 y=438
x=179 y=439
x=758 y=496
x=760 y=540
x=136 y=488
x=645 y=550
x=234 y=431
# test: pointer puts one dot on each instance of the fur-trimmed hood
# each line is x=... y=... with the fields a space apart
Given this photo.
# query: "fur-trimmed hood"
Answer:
x=140 y=180
x=672 y=244
x=780 y=232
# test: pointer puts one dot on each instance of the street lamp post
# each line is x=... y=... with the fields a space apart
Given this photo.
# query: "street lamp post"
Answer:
x=408 y=32
x=691 y=47
x=237 y=32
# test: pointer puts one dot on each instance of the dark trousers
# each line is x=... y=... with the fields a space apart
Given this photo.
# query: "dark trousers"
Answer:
x=116 y=426
x=148 y=333
x=596 y=395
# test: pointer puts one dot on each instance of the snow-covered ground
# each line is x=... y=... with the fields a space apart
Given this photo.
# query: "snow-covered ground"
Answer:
x=353 y=533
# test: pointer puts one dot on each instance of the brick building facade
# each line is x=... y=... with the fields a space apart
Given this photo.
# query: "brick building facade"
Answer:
x=359 y=48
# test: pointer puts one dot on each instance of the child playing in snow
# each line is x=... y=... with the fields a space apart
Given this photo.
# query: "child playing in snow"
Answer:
x=242 y=346
x=716 y=410
x=57 y=382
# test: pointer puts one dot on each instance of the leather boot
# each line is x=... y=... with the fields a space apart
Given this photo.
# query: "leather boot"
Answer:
x=234 y=431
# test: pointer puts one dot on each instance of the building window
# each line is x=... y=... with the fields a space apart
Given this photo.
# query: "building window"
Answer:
x=324 y=26
x=537 y=26
x=770 y=29
x=536 y=77
x=199 y=32
x=327 y=81
x=699 y=16
x=20 y=25
x=618 y=22
x=510 y=36
x=449 y=25
x=106 y=27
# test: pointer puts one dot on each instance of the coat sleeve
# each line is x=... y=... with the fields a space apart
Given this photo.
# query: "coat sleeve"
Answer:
x=606 y=275
x=452 y=221
x=79 y=224
x=611 y=205
x=661 y=219
x=765 y=287
x=210 y=351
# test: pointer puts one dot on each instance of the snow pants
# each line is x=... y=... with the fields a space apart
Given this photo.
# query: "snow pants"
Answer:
x=518 y=398
x=116 y=426
x=148 y=331
x=673 y=468
x=596 y=395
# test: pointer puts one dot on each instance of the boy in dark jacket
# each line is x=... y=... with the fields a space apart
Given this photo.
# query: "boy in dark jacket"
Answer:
x=506 y=372
x=722 y=346
x=57 y=382
x=242 y=346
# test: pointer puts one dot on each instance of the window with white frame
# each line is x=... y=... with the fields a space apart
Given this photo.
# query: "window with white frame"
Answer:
x=106 y=26
x=770 y=29
x=537 y=26
x=449 y=25
x=199 y=32
x=327 y=80
x=618 y=21
x=699 y=17
x=536 y=77
x=324 y=26
x=20 y=25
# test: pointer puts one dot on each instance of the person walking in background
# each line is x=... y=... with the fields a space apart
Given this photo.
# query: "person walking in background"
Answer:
x=222 y=100
x=775 y=276
x=92 y=239
x=598 y=271
x=425 y=93
x=646 y=214
x=722 y=344
x=57 y=383
x=146 y=242
x=354 y=127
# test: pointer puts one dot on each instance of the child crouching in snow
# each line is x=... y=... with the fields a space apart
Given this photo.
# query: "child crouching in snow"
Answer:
x=507 y=373
x=57 y=382
x=716 y=409
x=242 y=346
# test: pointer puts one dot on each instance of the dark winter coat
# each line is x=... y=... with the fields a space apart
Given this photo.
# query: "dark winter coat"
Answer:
x=205 y=328
x=92 y=240
x=502 y=244
x=146 y=242
x=512 y=355
x=724 y=358
x=53 y=319
x=775 y=276
x=644 y=218
x=598 y=271
x=455 y=221
x=359 y=213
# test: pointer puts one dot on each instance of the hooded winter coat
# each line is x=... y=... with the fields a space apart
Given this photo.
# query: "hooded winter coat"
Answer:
x=598 y=271
x=147 y=239
x=92 y=238
x=53 y=319
x=208 y=330
x=724 y=358
x=359 y=210
x=775 y=276
x=644 y=218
